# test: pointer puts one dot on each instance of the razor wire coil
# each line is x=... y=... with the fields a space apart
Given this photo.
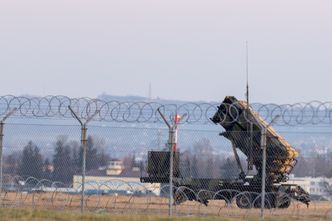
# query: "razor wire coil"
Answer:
x=119 y=196
x=56 y=107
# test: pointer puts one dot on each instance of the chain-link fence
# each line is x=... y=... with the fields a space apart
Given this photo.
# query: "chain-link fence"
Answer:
x=127 y=171
x=218 y=170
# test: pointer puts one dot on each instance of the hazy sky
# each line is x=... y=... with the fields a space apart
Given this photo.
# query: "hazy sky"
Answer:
x=188 y=50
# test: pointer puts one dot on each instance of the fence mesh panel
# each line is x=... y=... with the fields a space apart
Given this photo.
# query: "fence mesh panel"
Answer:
x=127 y=169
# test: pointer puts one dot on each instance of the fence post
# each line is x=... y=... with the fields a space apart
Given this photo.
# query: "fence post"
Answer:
x=84 y=146
x=263 y=147
x=2 y=123
x=1 y=146
x=172 y=141
x=83 y=143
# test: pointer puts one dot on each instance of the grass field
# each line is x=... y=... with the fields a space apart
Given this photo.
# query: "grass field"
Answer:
x=36 y=215
x=45 y=215
x=18 y=206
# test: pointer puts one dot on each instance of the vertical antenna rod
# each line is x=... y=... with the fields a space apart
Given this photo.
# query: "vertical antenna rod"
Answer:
x=250 y=157
x=247 y=73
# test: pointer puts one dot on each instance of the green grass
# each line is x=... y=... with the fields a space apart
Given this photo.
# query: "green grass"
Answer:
x=44 y=215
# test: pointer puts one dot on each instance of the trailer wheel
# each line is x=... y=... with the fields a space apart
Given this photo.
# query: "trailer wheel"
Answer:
x=244 y=200
x=284 y=203
x=270 y=201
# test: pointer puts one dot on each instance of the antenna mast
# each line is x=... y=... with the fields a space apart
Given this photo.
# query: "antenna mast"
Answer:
x=250 y=157
x=247 y=73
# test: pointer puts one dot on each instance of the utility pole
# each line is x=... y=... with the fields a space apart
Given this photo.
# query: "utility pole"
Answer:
x=172 y=142
x=84 y=146
x=2 y=123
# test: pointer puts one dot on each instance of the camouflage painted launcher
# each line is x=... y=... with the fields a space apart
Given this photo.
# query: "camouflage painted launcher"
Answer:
x=242 y=129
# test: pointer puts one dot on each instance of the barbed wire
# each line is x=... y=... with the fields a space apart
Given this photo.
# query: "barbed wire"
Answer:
x=120 y=196
x=56 y=107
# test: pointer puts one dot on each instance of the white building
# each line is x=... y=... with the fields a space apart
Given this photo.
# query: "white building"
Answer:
x=315 y=186
x=115 y=178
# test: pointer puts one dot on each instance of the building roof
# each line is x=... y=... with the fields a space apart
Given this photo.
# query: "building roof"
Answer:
x=126 y=172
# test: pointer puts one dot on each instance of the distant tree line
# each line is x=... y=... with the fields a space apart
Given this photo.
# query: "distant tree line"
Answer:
x=66 y=160
x=199 y=161
x=318 y=165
